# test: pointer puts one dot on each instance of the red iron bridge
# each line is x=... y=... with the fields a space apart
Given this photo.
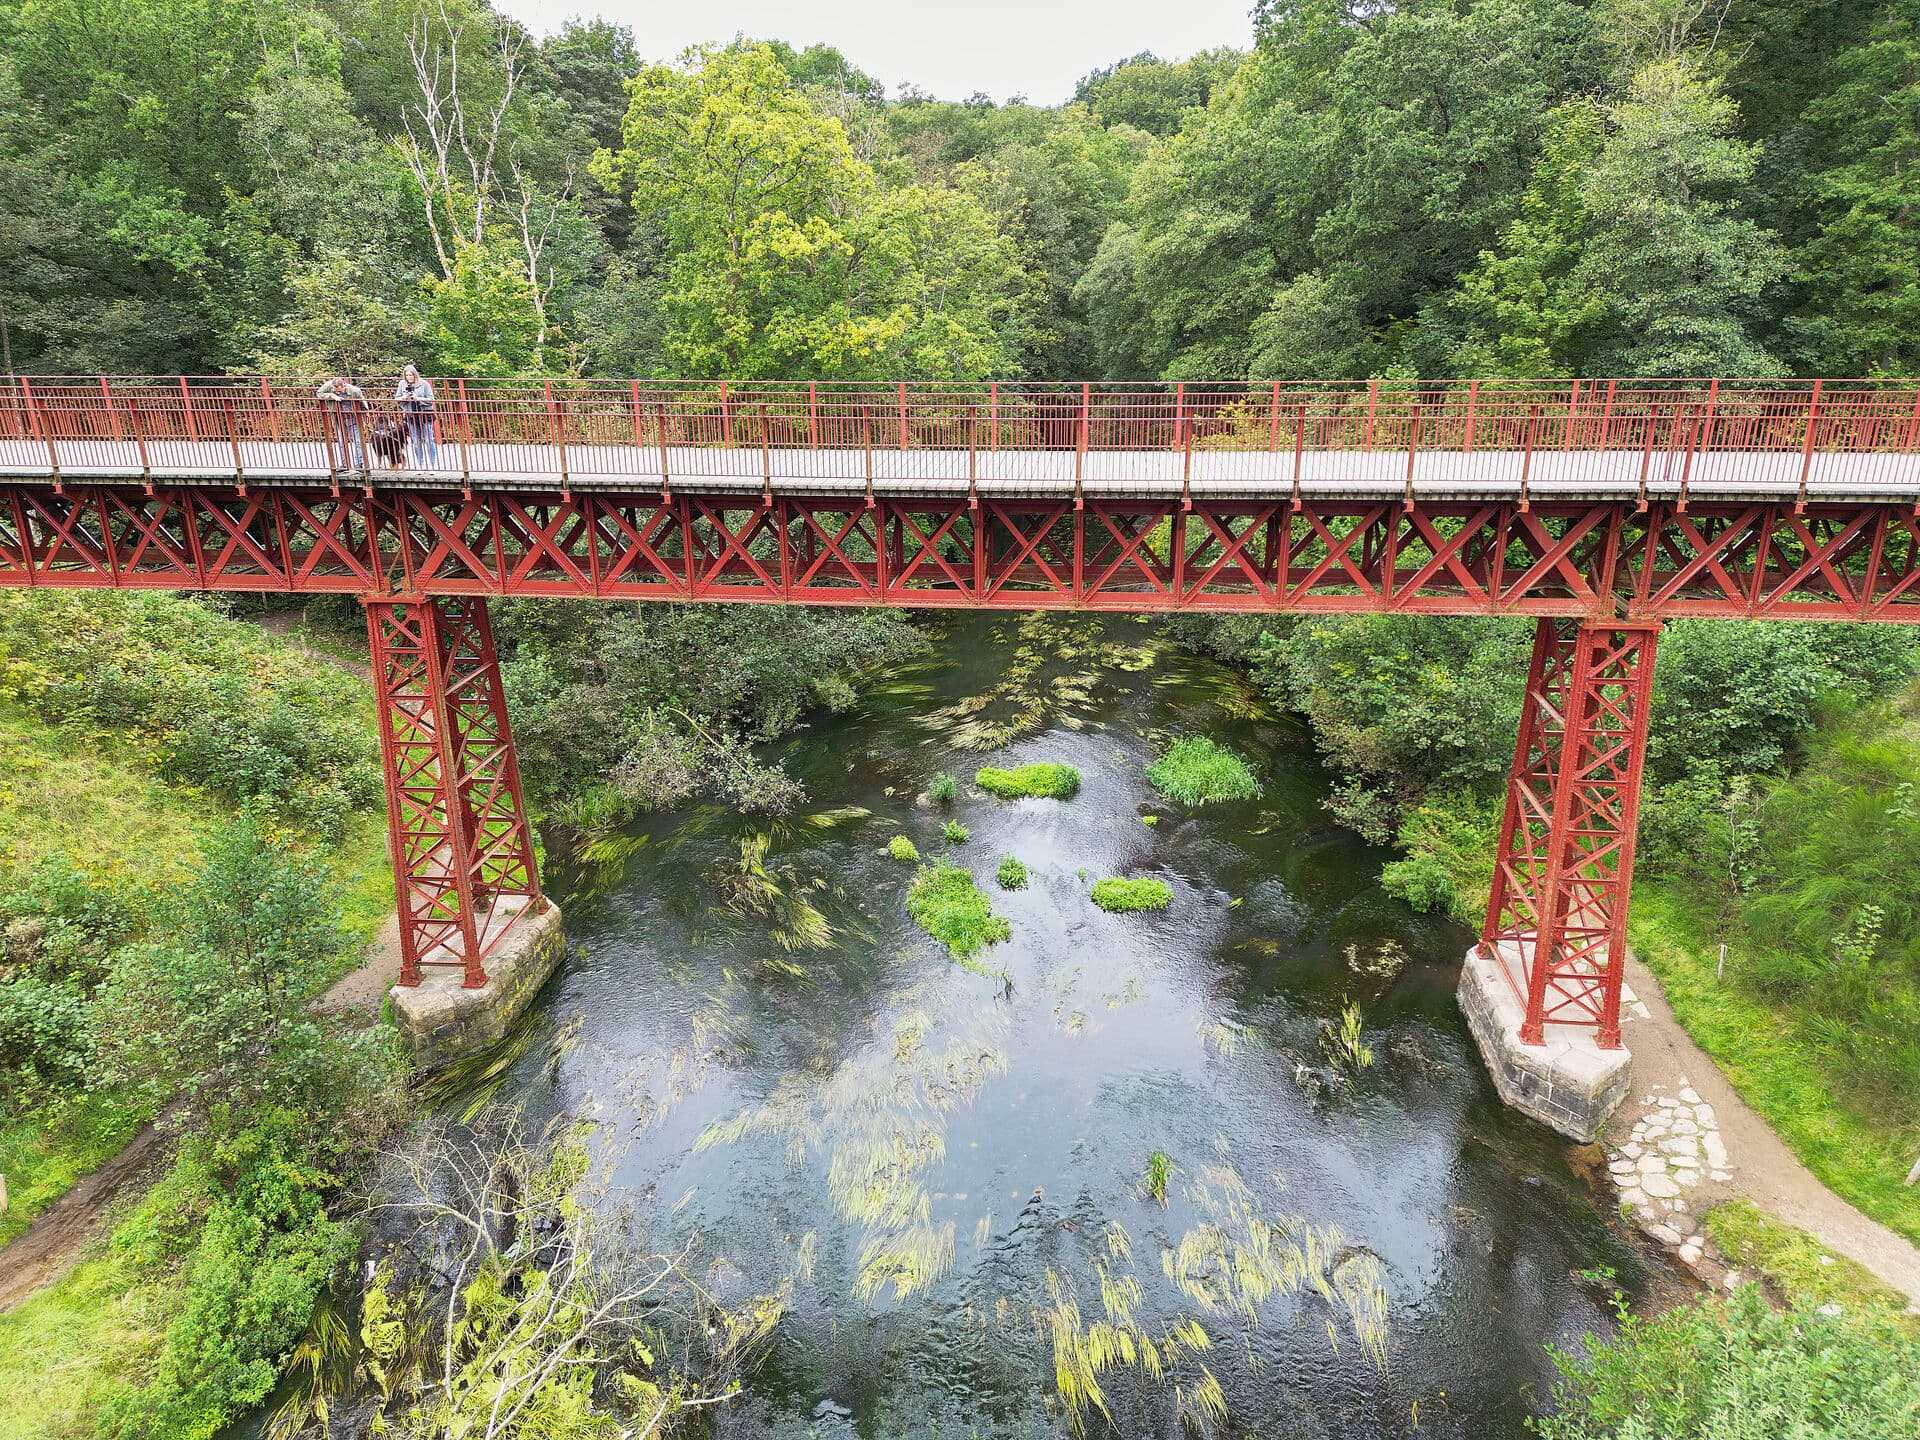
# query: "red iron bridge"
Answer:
x=1602 y=508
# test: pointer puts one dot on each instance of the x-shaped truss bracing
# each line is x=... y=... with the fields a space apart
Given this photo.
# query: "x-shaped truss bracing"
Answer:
x=463 y=862
x=1557 y=916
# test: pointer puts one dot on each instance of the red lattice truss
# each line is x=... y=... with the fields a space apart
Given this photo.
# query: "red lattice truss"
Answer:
x=1856 y=560
x=1557 y=916
x=462 y=852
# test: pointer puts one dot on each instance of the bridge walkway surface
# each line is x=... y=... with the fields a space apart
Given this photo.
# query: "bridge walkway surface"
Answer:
x=1482 y=475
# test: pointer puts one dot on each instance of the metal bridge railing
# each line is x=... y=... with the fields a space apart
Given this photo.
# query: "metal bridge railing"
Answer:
x=1766 y=434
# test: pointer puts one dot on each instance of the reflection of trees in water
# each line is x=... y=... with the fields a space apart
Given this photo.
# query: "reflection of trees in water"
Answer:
x=1027 y=698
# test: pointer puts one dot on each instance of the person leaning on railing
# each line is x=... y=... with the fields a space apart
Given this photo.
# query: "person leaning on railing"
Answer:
x=342 y=403
x=415 y=398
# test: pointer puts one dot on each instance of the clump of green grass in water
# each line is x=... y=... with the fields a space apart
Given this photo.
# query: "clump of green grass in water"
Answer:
x=1012 y=874
x=942 y=788
x=1159 y=1174
x=1195 y=770
x=1342 y=1043
x=944 y=902
x=955 y=833
x=1042 y=781
x=1117 y=896
x=903 y=850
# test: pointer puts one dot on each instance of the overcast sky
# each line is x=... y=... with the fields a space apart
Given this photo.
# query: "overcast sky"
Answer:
x=950 y=48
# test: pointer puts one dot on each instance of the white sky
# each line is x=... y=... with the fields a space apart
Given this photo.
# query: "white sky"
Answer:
x=949 y=48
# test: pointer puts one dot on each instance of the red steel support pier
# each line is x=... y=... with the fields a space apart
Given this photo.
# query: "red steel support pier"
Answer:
x=457 y=821
x=1556 y=920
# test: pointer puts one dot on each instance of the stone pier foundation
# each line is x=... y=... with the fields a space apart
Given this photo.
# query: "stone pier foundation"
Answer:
x=1569 y=1083
x=441 y=1020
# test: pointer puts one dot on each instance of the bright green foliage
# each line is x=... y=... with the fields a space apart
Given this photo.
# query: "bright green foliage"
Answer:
x=788 y=255
x=216 y=1012
x=1195 y=770
x=1519 y=311
x=202 y=700
x=944 y=902
x=1118 y=896
x=954 y=833
x=1012 y=873
x=1682 y=273
x=1342 y=175
x=942 y=788
x=903 y=850
x=1045 y=780
x=1738 y=1370
x=249 y=1275
x=1862 y=269
x=481 y=318
x=1421 y=880
x=1152 y=94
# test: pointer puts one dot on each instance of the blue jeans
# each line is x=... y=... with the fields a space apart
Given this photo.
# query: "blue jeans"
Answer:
x=351 y=446
x=426 y=453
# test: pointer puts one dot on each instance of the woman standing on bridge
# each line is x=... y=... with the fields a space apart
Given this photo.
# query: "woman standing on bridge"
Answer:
x=415 y=397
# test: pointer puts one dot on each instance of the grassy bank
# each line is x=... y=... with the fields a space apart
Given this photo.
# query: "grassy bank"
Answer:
x=1812 y=881
x=135 y=727
x=1780 y=1059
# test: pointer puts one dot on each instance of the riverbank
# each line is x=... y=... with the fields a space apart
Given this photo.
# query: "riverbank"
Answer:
x=1735 y=1155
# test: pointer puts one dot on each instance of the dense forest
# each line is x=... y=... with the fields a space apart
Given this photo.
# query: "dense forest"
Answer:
x=1513 y=187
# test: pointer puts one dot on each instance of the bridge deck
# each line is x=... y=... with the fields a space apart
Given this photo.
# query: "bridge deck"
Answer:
x=1571 y=474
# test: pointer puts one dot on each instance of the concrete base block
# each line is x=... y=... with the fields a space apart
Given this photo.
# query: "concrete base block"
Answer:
x=1569 y=1083
x=441 y=1021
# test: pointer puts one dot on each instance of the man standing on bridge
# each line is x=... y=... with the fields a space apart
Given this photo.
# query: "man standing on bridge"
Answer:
x=342 y=403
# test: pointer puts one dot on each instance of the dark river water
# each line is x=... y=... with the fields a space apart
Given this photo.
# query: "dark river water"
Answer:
x=948 y=1165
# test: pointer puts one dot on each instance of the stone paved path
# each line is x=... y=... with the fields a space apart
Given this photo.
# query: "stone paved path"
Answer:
x=1684 y=1141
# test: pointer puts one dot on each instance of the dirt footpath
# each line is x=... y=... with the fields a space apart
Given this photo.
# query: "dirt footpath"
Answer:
x=365 y=987
x=1684 y=1142
x=52 y=1244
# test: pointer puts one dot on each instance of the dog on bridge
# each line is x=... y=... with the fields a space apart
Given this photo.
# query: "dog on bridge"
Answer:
x=389 y=442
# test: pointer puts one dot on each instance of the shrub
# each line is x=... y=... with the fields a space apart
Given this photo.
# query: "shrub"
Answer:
x=1420 y=880
x=903 y=849
x=945 y=903
x=1123 y=895
x=1012 y=875
x=955 y=833
x=1738 y=1367
x=1043 y=781
x=942 y=788
x=1195 y=770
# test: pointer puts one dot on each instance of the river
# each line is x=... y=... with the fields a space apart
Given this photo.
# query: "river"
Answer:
x=947 y=1163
